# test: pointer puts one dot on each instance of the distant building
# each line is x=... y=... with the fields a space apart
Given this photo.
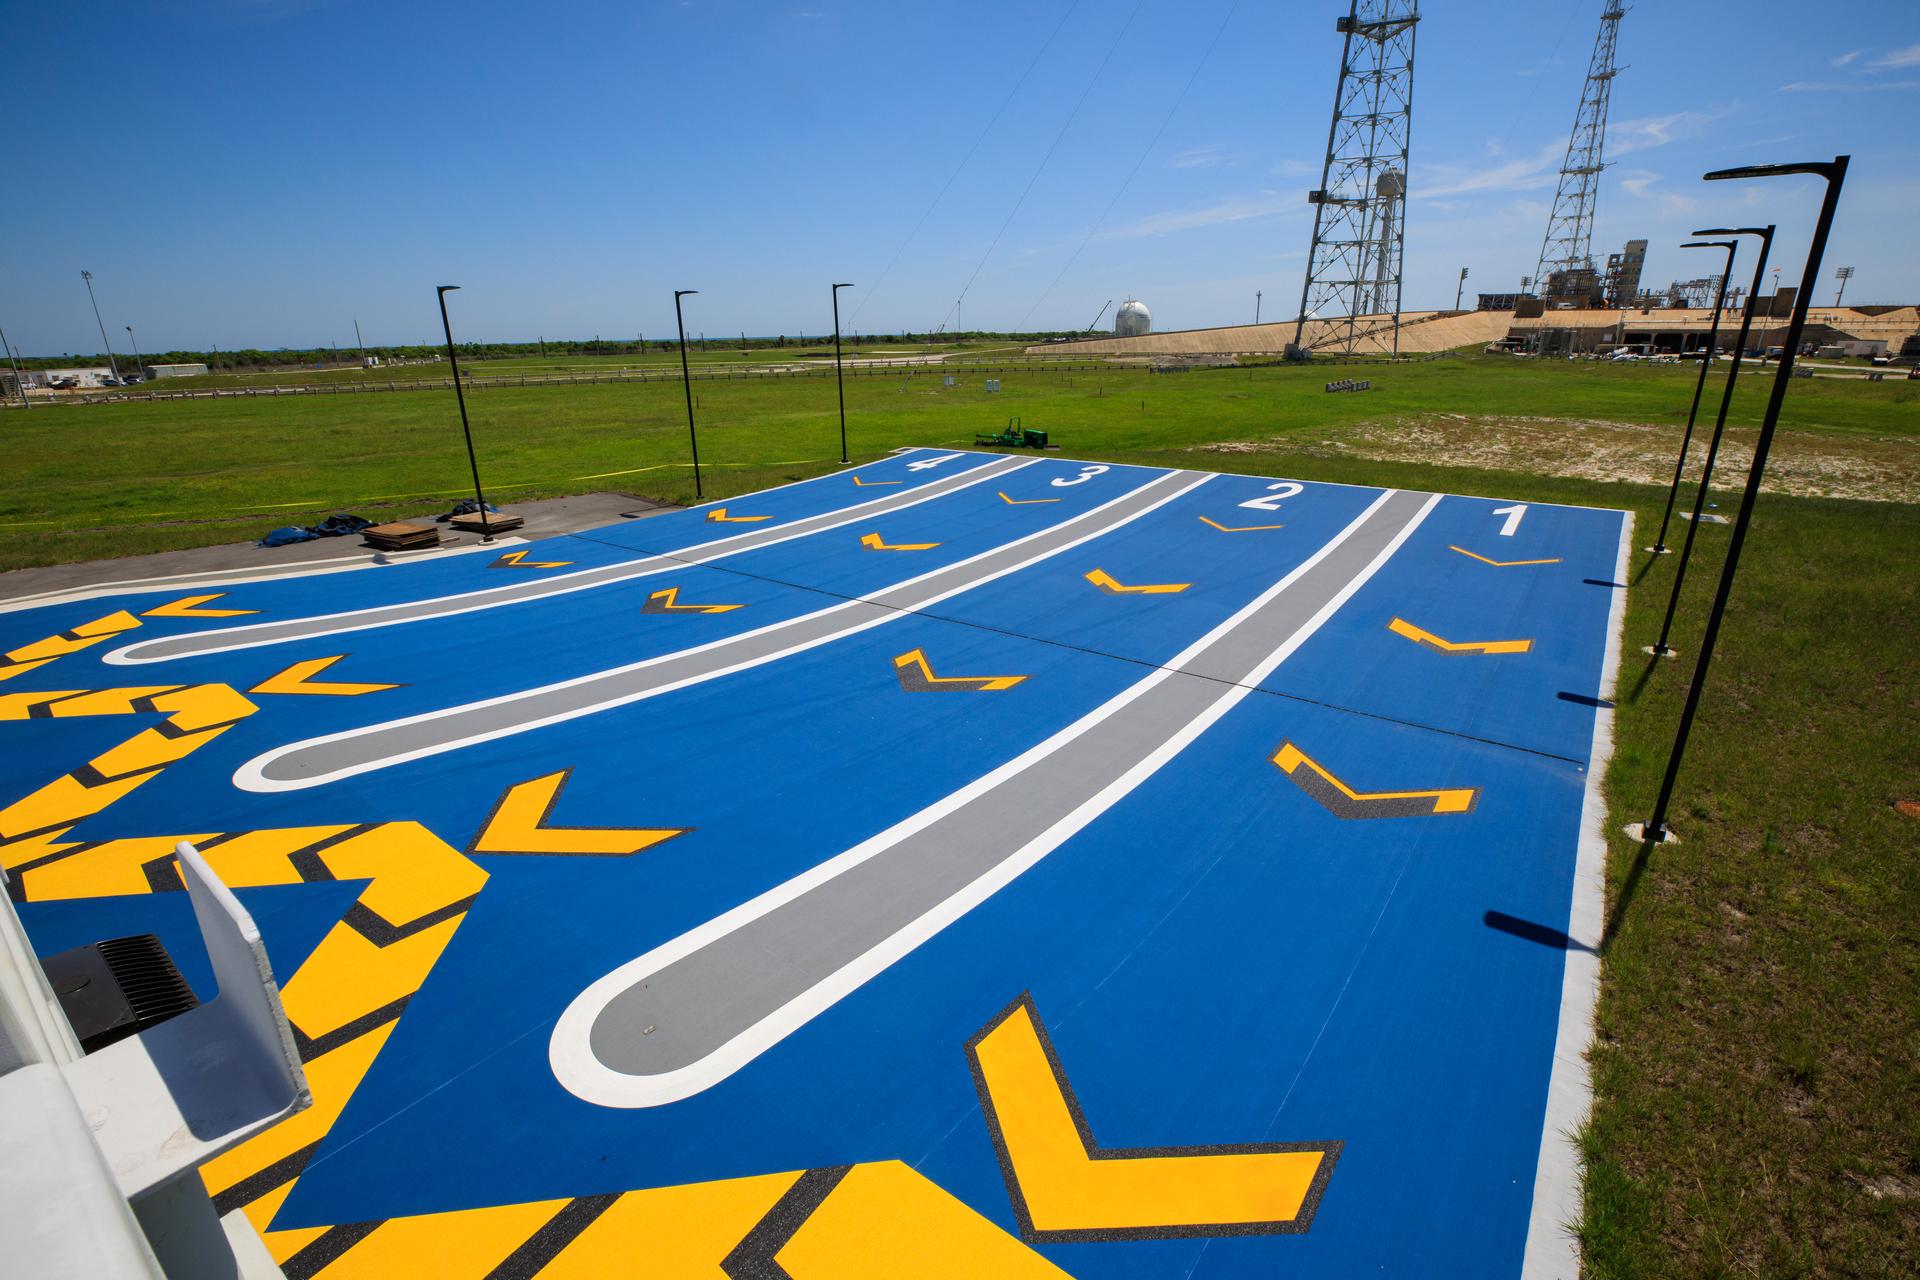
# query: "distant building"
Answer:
x=74 y=379
x=1132 y=319
x=175 y=371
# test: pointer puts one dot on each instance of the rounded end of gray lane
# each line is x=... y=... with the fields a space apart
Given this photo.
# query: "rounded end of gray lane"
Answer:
x=652 y=1029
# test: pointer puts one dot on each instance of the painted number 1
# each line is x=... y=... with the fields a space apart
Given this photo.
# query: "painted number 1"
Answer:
x=1513 y=514
x=1279 y=493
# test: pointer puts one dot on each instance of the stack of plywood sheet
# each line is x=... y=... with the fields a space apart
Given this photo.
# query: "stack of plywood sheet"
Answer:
x=402 y=536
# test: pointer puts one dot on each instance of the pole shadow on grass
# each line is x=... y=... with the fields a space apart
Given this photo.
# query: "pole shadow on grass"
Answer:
x=1640 y=685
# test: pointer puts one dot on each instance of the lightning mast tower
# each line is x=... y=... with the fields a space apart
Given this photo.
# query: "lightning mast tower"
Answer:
x=1567 y=248
x=1359 y=233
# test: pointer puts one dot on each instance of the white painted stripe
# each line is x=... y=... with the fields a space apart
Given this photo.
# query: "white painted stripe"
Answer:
x=1553 y=1250
x=232 y=577
x=570 y=1051
x=1329 y=484
x=251 y=776
x=830 y=475
x=233 y=638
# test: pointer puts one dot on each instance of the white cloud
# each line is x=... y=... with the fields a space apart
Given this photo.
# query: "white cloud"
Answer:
x=1643 y=184
x=1296 y=169
x=1907 y=57
x=1643 y=132
x=1212 y=156
x=1845 y=58
x=1541 y=169
x=1854 y=86
x=1238 y=209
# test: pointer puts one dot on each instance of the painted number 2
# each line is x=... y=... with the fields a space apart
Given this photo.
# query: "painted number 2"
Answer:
x=1277 y=494
x=1086 y=474
x=1513 y=514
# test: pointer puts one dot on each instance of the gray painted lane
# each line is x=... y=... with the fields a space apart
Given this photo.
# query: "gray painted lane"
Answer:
x=696 y=1009
x=340 y=755
x=194 y=644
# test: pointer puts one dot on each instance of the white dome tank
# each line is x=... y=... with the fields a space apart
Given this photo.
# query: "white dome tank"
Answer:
x=1131 y=320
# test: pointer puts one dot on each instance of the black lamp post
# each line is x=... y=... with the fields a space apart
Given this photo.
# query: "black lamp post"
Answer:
x=111 y=362
x=453 y=362
x=686 y=384
x=135 y=344
x=19 y=383
x=1660 y=546
x=1834 y=171
x=1660 y=647
x=840 y=381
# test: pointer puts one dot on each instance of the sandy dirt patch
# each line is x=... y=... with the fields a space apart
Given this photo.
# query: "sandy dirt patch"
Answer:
x=1805 y=464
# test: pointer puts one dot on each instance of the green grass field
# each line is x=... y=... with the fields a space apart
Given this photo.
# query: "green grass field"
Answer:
x=1758 y=1056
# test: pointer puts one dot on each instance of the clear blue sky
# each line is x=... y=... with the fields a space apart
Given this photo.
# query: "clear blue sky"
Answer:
x=262 y=172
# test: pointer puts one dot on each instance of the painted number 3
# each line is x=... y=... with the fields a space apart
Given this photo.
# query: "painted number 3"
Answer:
x=1086 y=474
x=1277 y=494
x=1513 y=514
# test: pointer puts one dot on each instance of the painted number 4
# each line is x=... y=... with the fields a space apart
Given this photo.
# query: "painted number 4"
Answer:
x=1513 y=514
x=927 y=464
x=1277 y=493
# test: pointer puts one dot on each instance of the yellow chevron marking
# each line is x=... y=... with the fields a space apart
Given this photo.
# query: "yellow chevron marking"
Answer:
x=344 y=1001
x=871 y=484
x=1501 y=564
x=1065 y=1187
x=195 y=715
x=1103 y=580
x=680 y=1231
x=299 y=678
x=884 y=1220
x=189 y=607
x=1445 y=800
x=411 y=876
x=518 y=825
x=466 y=1244
x=668 y=602
x=917 y=661
x=873 y=542
x=720 y=514
x=40 y=652
x=1243 y=528
x=1024 y=502
x=518 y=560
x=1401 y=627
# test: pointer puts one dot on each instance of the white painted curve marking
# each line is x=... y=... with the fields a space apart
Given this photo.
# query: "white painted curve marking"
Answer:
x=570 y=1052
x=700 y=553
x=251 y=776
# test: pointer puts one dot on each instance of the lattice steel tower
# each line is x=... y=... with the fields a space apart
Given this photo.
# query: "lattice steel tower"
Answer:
x=1359 y=233
x=1569 y=239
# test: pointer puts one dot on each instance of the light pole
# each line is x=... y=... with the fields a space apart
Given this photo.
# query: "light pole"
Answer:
x=1460 y=288
x=1660 y=648
x=839 y=381
x=1835 y=173
x=135 y=344
x=1659 y=547
x=1843 y=275
x=360 y=342
x=19 y=383
x=1256 y=306
x=111 y=362
x=453 y=362
x=686 y=384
